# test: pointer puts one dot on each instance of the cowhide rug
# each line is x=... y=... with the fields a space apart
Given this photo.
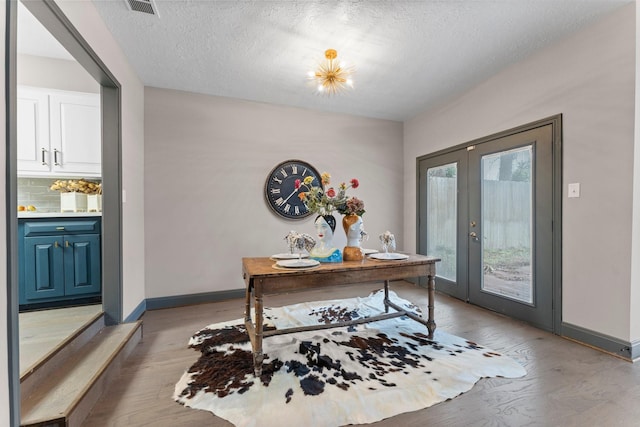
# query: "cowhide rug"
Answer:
x=333 y=377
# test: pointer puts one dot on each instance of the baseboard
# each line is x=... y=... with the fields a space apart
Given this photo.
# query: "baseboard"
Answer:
x=181 y=300
x=635 y=351
x=625 y=349
x=137 y=312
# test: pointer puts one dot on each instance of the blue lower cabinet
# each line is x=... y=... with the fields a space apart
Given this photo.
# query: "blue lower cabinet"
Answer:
x=59 y=267
x=44 y=268
x=82 y=264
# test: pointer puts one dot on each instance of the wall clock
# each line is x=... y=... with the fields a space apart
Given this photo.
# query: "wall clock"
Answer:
x=280 y=191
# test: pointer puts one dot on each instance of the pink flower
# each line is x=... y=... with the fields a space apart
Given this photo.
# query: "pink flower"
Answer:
x=331 y=192
x=355 y=183
x=297 y=184
x=353 y=205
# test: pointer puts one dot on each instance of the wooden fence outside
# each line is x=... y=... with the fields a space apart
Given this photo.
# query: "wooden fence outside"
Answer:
x=506 y=222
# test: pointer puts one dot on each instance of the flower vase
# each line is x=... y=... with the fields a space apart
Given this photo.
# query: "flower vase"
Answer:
x=352 y=225
x=324 y=251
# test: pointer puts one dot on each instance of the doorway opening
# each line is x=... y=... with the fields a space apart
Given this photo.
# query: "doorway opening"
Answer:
x=58 y=25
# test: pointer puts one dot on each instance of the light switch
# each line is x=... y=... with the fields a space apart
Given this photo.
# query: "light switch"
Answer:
x=574 y=190
x=124 y=196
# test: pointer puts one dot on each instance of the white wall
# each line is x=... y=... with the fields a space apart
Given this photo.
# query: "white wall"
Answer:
x=53 y=73
x=590 y=79
x=206 y=161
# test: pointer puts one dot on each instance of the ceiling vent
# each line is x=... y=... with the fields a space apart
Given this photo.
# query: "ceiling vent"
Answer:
x=144 y=6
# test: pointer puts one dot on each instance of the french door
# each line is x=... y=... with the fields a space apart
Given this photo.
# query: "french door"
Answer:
x=487 y=211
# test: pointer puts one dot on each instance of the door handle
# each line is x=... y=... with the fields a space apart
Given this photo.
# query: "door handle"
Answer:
x=55 y=157
x=474 y=236
x=44 y=162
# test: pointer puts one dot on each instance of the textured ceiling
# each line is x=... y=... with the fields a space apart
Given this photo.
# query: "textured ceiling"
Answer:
x=408 y=55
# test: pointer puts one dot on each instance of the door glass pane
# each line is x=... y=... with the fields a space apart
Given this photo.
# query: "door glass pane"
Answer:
x=506 y=232
x=442 y=214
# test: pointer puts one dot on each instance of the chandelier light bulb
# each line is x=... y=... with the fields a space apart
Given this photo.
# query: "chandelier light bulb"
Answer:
x=332 y=76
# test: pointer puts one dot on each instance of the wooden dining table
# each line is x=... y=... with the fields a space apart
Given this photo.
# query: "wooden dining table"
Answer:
x=263 y=276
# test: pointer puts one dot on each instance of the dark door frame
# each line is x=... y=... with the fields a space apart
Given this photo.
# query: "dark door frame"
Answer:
x=54 y=20
x=556 y=123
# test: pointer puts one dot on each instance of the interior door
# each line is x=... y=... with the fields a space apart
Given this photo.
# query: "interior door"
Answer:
x=487 y=211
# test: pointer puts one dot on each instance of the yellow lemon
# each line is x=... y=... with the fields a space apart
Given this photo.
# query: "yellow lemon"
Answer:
x=31 y=208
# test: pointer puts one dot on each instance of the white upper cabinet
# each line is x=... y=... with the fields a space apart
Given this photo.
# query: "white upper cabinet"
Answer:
x=74 y=125
x=33 y=131
x=58 y=133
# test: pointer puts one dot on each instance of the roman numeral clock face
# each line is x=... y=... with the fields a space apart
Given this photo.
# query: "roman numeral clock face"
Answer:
x=280 y=190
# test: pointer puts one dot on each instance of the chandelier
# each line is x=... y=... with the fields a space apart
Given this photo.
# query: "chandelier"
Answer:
x=331 y=76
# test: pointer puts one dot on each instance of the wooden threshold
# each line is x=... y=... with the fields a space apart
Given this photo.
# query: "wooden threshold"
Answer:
x=43 y=334
x=62 y=392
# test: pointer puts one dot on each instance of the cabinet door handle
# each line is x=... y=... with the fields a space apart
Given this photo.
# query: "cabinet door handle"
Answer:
x=44 y=162
x=55 y=244
x=59 y=228
x=55 y=157
x=66 y=243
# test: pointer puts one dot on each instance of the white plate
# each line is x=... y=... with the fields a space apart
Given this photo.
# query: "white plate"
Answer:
x=288 y=256
x=388 y=256
x=294 y=263
x=369 y=251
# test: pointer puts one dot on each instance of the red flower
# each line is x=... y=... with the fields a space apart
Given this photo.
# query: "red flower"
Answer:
x=297 y=184
x=331 y=192
x=355 y=183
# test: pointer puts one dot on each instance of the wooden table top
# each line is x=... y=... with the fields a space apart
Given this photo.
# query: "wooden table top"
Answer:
x=265 y=266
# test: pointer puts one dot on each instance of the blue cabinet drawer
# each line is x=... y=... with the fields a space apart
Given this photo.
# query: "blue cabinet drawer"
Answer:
x=37 y=228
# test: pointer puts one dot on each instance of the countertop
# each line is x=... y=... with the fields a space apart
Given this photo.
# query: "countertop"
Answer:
x=57 y=214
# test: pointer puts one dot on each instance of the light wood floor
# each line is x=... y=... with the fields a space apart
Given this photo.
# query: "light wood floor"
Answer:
x=567 y=384
x=42 y=332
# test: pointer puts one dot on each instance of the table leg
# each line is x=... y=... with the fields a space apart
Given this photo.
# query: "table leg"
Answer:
x=247 y=305
x=257 y=351
x=431 y=289
x=386 y=296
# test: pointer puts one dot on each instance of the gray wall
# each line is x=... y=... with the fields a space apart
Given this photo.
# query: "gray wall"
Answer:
x=590 y=79
x=206 y=161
